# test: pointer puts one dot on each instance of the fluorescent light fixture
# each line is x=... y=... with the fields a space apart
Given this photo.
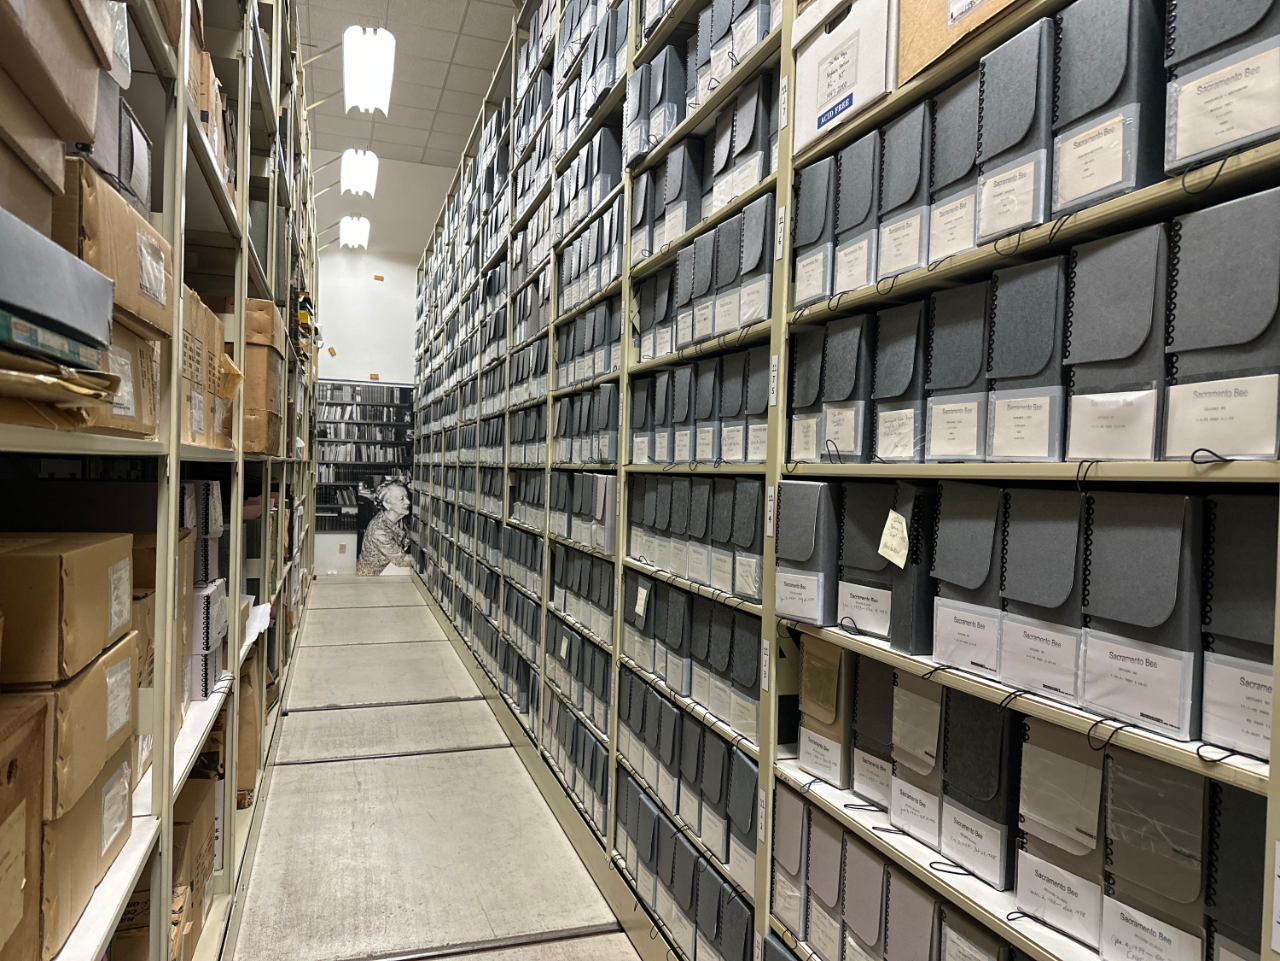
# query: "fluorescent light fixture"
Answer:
x=359 y=171
x=353 y=232
x=368 y=61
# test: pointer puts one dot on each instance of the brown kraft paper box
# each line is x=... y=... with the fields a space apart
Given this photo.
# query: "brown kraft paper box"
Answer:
x=137 y=362
x=100 y=227
x=263 y=376
x=196 y=417
x=33 y=141
x=144 y=561
x=195 y=807
x=80 y=846
x=22 y=756
x=69 y=596
x=926 y=31
x=45 y=49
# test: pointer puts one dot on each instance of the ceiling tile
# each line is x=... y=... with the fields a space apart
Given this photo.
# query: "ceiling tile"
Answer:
x=397 y=151
x=441 y=158
x=478 y=52
x=407 y=116
x=330 y=141
x=351 y=128
x=455 y=101
x=414 y=95
x=453 y=122
x=446 y=141
x=327 y=26
x=422 y=43
x=406 y=136
x=323 y=81
x=468 y=79
x=441 y=14
x=491 y=20
x=430 y=73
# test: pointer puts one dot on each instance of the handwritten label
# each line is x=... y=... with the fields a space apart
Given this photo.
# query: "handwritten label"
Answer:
x=895 y=542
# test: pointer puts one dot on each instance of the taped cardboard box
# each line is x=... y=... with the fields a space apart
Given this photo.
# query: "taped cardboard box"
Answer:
x=22 y=758
x=196 y=419
x=195 y=806
x=22 y=192
x=928 y=29
x=69 y=596
x=30 y=137
x=45 y=49
x=249 y=733
x=144 y=562
x=144 y=622
x=80 y=846
x=137 y=363
x=26 y=413
x=100 y=227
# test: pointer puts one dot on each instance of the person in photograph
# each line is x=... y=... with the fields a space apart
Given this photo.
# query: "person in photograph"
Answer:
x=386 y=539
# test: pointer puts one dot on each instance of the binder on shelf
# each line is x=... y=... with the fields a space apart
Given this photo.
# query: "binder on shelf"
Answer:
x=826 y=32
x=846 y=390
x=967 y=566
x=866 y=577
x=744 y=780
x=1061 y=849
x=669 y=724
x=699 y=86
x=700 y=530
x=733 y=419
x=653 y=702
x=679 y=669
x=756 y=303
x=664 y=317
x=683 y=299
x=953 y=186
x=1107 y=101
x=712 y=890
x=808 y=353
x=865 y=892
x=1227 y=360
x=1235 y=864
x=1155 y=822
x=683 y=198
x=898 y=384
x=704 y=300
x=1025 y=418
x=1142 y=587
x=689 y=865
x=857 y=233
x=748 y=538
x=721 y=182
x=961 y=934
x=1204 y=46
x=635 y=135
x=666 y=93
x=751 y=131
x=904 y=192
x=916 y=799
x=814 y=237
x=690 y=800
x=707 y=412
x=756 y=404
x=1015 y=114
x=750 y=25
x=1043 y=564
x=715 y=796
x=744 y=714
x=807 y=546
x=682 y=415
x=721 y=44
x=826 y=709
x=647 y=850
x=980 y=768
x=873 y=731
x=681 y=495
x=790 y=858
x=642 y=421
x=661 y=526
x=957 y=364
x=728 y=275
x=606 y=423
x=736 y=940
x=660 y=451
x=1116 y=355
x=664 y=903
x=720 y=660
x=643 y=194
x=825 y=886
x=1238 y=624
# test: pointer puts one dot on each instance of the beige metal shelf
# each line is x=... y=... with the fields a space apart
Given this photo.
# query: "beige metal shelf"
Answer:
x=1243 y=471
x=724 y=597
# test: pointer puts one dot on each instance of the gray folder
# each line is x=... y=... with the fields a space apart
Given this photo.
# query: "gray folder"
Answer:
x=647 y=833
x=642 y=409
x=1155 y=817
x=955 y=138
x=1143 y=578
x=1235 y=857
x=918 y=764
x=691 y=756
x=733 y=387
x=643 y=193
x=775 y=949
x=662 y=518
x=751 y=130
x=1061 y=765
x=684 y=277
x=653 y=702
x=1117 y=290
x=687 y=868
x=684 y=181
x=866 y=507
x=707 y=393
x=1241 y=568
x=704 y=262
x=728 y=254
x=683 y=397
x=748 y=516
x=722 y=496
x=722 y=162
x=815 y=215
x=1015 y=110
x=715 y=774
x=808 y=350
x=666 y=89
x=857 y=204
x=757 y=240
x=736 y=940
x=711 y=889
x=1044 y=556
x=669 y=725
x=1027 y=326
x=904 y=176
x=911 y=614
x=680 y=497
x=757 y=399
x=662 y=381
x=912 y=928
x=958 y=340
x=1224 y=320
x=865 y=890
x=636 y=111
x=790 y=837
x=826 y=864
x=700 y=510
x=745 y=664
x=808 y=538
x=744 y=779
x=901 y=344
x=847 y=377
x=678 y=624
x=873 y=708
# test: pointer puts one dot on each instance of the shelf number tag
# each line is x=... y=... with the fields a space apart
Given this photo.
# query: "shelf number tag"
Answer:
x=782 y=103
x=773 y=380
x=768 y=512
x=764 y=668
x=760 y=825
x=782 y=229
x=759 y=942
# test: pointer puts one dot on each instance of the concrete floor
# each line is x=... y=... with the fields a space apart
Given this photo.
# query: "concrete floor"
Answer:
x=408 y=828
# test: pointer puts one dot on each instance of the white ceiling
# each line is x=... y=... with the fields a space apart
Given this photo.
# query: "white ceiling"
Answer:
x=446 y=52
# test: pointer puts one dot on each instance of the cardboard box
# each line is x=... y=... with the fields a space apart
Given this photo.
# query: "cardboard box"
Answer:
x=195 y=806
x=186 y=601
x=137 y=362
x=196 y=418
x=263 y=375
x=926 y=31
x=90 y=718
x=263 y=324
x=100 y=227
x=22 y=756
x=69 y=596
x=249 y=734
x=80 y=846
x=44 y=48
x=22 y=192
x=131 y=945
x=29 y=135
x=144 y=622
x=170 y=13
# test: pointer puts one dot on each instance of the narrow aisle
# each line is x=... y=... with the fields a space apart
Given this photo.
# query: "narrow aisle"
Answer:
x=399 y=822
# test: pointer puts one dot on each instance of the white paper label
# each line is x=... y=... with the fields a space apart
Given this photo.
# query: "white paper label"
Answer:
x=727 y=311
x=813 y=275
x=951 y=226
x=1021 y=427
x=837 y=76
x=821 y=756
x=786 y=900
x=900 y=246
x=896 y=433
x=707 y=443
x=842 y=427
x=959 y=9
x=1132 y=935
x=701 y=685
x=967 y=636
x=782 y=229
x=640 y=449
x=1007 y=200
x=699 y=563
x=915 y=811
x=1090 y=161
x=722 y=570
x=120 y=363
x=1238 y=101
x=824 y=931
x=1062 y=900
x=864 y=610
x=798 y=595
x=854 y=265
x=704 y=319
x=1237 y=704
x=1139 y=682
x=1234 y=418
x=974 y=843
x=1120 y=426
x=872 y=778
x=116 y=806
x=1039 y=657
x=642 y=599
x=747 y=571
x=684 y=327
x=743 y=712
x=953 y=429
x=804 y=436
x=119 y=696
x=754 y=302
x=757 y=443
x=120 y=588
x=683 y=438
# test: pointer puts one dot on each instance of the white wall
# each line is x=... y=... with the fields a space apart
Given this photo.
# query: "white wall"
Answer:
x=368 y=322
